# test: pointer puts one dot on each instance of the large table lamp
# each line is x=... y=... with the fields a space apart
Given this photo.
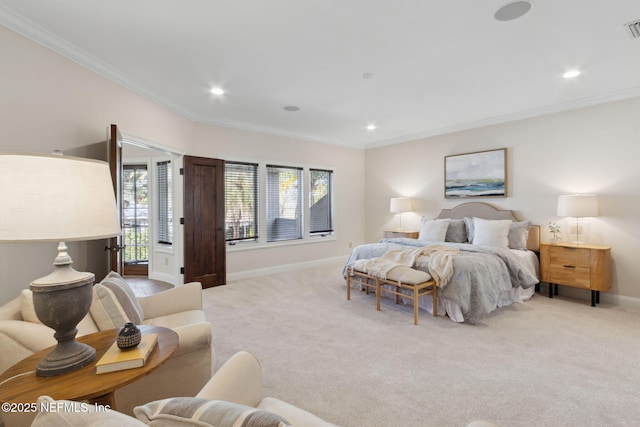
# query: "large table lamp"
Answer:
x=55 y=198
x=400 y=205
x=578 y=207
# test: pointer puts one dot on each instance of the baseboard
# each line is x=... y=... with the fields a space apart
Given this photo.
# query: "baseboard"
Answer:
x=605 y=297
x=621 y=300
x=249 y=274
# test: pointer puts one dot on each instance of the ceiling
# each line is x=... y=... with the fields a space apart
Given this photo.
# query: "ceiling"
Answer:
x=414 y=68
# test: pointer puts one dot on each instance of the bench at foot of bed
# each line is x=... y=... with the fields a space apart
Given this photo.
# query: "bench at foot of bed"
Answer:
x=400 y=277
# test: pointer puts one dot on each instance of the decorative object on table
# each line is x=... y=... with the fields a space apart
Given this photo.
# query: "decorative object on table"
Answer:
x=129 y=336
x=116 y=359
x=400 y=205
x=478 y=174
x=578 y=208
x=54 y=198
x=554 y=230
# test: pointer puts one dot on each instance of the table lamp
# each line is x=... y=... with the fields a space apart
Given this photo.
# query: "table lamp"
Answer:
x=578 y=207
x=400 y=205
x=54 y=198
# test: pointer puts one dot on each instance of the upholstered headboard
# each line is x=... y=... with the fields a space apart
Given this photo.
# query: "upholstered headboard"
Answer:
x=486 y=211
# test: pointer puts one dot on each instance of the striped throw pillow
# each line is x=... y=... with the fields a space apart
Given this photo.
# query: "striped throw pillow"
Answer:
x=115 y=303
x=193 y=411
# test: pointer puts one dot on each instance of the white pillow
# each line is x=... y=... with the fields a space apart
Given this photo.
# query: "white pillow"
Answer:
x=491 y=232
x=433 y=230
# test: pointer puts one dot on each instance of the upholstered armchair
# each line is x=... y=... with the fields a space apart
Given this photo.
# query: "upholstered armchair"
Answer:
x=233 y=396
x=114 y=303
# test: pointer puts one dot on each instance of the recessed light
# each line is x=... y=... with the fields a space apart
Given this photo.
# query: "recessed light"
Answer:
x=513 y=10
x=367 y=75
x=371 y=127
x=571 y=74
x=291 y=108
x=217 y=91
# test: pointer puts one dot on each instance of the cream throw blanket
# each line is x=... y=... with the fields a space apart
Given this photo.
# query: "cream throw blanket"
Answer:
x=440 y=262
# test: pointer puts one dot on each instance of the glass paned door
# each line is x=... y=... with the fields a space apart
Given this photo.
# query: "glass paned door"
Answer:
x=135 y=218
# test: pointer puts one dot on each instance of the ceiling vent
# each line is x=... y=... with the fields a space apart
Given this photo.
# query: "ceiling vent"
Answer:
x=634 y=29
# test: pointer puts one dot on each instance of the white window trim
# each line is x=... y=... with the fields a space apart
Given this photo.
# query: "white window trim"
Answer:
x=307 y=238
x=157 y=246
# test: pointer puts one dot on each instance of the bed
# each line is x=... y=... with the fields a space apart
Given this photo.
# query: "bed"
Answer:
x=494 y=261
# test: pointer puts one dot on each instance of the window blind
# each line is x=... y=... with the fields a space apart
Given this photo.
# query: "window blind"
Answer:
x=320 y=201
x=241 y=201
x=165 y=202
x=284 y=203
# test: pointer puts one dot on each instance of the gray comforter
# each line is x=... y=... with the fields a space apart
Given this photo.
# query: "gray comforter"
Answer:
x=481 y=273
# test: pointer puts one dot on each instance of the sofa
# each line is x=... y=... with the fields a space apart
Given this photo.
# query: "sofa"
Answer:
x=233 y=396
x=115 y=303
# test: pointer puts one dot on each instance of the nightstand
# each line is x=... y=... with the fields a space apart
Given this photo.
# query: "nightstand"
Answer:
x=578 y=266
x=401 y=233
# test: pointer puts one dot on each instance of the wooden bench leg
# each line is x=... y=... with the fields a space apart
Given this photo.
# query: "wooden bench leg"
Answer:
x=434 y=298
x=378 y=294
x=348 y=286
x=415 y=305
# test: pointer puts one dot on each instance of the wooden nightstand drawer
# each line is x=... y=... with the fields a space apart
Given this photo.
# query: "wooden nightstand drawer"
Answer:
x=579 y=277
x=566 y=256
x=579 y=266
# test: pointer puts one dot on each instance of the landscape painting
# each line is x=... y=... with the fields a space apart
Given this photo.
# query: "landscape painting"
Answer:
x=479 y=174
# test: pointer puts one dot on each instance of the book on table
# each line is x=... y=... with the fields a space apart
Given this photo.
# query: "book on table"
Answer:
x=117 y=360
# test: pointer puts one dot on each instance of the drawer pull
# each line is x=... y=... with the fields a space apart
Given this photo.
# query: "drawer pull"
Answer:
x=569 y=266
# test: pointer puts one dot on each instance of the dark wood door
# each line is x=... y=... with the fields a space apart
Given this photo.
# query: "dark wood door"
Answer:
x=115 y=164
x=204 y=238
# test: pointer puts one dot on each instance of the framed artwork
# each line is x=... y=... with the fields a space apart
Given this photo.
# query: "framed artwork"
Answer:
x=478 y=174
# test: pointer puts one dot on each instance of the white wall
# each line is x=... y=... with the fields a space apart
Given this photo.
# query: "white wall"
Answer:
x=593 y=149
x=48 y=102
x=348 y=167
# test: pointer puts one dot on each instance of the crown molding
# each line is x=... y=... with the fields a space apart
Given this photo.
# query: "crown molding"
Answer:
x=521 y=115
x=37 y=34
x=41 y=36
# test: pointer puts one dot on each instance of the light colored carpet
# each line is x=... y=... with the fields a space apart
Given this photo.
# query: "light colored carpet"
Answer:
x=549 y=362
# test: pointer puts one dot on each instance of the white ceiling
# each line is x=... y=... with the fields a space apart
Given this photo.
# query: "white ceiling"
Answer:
x=438 y=66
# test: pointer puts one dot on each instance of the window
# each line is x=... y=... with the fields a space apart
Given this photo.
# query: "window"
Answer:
x=241 y=201
x=320 y=195
x=135 y=214
x=267 y=203
x=284 y=203
x=165 y=202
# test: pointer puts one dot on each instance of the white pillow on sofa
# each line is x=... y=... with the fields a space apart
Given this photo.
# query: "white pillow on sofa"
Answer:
x=433 y=230
x=491 y=232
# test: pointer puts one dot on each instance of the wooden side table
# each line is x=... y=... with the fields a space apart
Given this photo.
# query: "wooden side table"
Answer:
x=401 y=233
x=24 y=386
x=578 y=266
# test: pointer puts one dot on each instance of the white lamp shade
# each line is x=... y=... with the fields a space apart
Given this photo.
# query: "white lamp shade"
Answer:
x=400 y=205
x=578 y=205
x=56 y=198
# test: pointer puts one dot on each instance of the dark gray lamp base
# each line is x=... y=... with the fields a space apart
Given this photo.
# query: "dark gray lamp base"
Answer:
x=68 y=356
x=61 y=300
